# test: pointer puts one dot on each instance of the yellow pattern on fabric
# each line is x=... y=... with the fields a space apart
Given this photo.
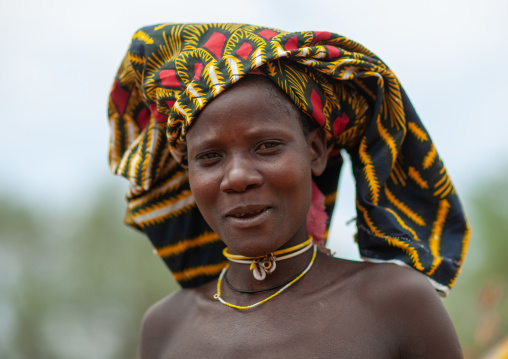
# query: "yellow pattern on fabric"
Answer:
x=429 y=158
x=127 y=164
x=418 y=132
x=330 y=199
x=444 y=185
x=208 y=270
x=183 y=245
x=182 y=63
x=169 y=184
x=398 y=175
x=404 y=209
x=388 y=139
x=153 y=139
x=370 y=173
x=404 y=225
x=417 y=177
x=241 y=36
x=393 y=105
x=171 y=47
x=396 y=242
x=369 y=221
x=136 y=59
x=435 y=235
x=157 y=28
x=271 y=69
x=142 y=36
x=297 y=83
x=114 y=151
x=348 y=135
x=162 y=211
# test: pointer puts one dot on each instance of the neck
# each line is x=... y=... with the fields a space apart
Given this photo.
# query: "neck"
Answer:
x=241 y=277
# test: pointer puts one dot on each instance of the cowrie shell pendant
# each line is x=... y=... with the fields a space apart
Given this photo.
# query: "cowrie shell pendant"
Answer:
x=259 y=273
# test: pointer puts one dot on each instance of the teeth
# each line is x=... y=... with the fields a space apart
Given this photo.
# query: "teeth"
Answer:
x=239 y=215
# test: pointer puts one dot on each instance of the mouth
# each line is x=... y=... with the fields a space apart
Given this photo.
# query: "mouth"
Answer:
x=247 y=212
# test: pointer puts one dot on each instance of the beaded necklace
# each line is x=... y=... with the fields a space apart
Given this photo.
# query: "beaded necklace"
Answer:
x=258 y=290
x=218 y=297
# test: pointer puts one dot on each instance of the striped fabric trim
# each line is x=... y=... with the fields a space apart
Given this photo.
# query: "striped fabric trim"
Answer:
x=186 y=244
x=210 y=270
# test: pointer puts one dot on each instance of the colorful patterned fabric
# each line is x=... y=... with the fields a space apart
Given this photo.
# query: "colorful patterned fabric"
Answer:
x=408 y=211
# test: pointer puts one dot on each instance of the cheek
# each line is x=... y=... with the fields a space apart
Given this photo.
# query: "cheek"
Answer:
x=203 y=189
x=293 y=169
x=294 y=179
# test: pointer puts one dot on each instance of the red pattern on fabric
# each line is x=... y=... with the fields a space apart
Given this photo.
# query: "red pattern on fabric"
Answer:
x=143 y=118
x=120 y=97
x=170 y=103
x=317 y=106
x=267 y=34
x=320 y=36
x=334 y=153
x=215 y=44
x=198 y=68
x=256 y=71
x=169 y=79
x=332 y=51
x=291 y=44
x=159 y=117
x=340 y=124
x=244 y=51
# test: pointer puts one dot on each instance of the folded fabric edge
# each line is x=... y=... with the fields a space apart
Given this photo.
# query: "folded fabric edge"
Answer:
x=441 y=289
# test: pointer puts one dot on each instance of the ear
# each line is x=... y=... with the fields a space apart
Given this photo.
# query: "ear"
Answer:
x=318 y=153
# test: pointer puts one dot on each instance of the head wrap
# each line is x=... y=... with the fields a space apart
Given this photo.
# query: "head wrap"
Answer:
x=408 y=211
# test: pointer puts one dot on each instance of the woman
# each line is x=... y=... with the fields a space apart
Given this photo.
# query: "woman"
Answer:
x=255 y=119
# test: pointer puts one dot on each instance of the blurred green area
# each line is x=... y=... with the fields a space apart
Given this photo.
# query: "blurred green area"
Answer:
x=478 y=304
x=76 y=284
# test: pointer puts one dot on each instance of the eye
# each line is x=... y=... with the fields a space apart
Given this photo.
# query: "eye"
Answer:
x=268 y=145
x=208 y=156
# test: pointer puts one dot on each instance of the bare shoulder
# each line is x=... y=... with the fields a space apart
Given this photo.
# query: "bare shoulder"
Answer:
x=405 y=300
x=163 y=313
x=162 y=320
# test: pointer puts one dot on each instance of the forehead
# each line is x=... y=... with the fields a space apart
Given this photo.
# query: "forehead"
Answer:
x=252 y=102
x=257 y=86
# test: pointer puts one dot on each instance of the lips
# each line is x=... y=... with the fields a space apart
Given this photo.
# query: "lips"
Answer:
x=247 y=212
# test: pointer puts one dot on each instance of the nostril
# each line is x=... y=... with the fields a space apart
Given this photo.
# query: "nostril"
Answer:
x=241 y=179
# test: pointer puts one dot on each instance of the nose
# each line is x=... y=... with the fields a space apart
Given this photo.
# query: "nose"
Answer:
x=240 y=175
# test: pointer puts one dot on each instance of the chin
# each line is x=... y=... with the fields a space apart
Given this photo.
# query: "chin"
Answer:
x=253 y=245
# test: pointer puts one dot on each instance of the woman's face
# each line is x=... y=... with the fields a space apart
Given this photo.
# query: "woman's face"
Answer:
x=250 y=168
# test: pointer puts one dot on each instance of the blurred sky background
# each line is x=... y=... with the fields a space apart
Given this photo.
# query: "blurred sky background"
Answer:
x=59 y=59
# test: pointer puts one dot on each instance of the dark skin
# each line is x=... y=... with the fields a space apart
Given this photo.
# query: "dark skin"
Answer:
x=250 y=167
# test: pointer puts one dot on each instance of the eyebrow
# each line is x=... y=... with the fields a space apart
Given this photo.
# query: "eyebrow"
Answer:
x=252 y=133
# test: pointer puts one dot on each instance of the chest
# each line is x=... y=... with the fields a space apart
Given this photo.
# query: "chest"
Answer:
x=295 y=329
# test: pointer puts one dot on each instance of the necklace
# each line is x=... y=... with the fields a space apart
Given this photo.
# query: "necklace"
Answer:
x=260 y=266
x=219 y=281
x=255 y=291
